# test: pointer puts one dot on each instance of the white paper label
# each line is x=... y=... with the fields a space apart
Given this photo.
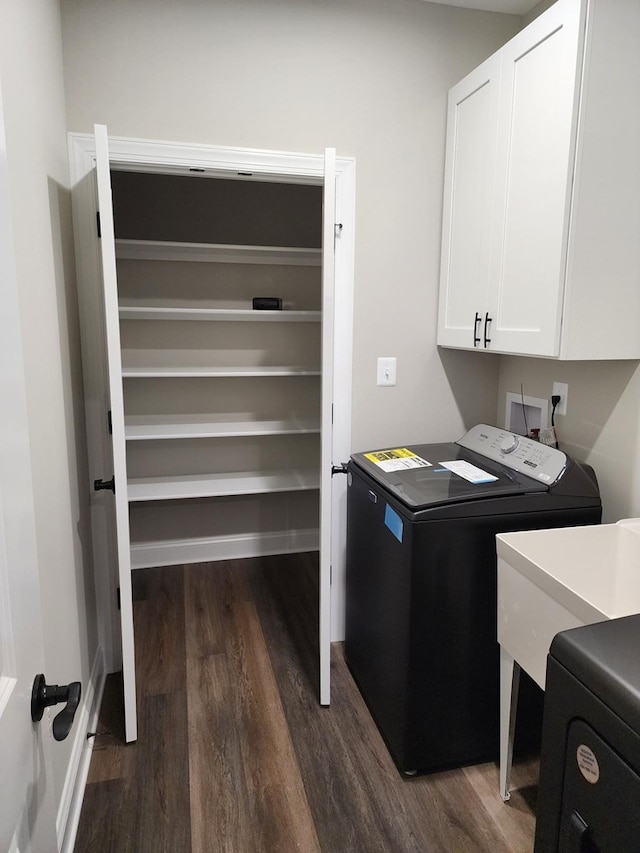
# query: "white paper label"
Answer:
x=468 y=471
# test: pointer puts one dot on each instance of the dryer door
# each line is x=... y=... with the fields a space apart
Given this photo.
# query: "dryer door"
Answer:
x=600 y=795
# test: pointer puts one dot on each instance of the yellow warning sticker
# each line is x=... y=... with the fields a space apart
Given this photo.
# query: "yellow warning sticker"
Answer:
x=397 y=459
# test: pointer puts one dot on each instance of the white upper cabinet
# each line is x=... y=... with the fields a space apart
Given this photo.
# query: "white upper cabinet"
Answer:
x=540 y=244
x=533 y=183
x=469 y=181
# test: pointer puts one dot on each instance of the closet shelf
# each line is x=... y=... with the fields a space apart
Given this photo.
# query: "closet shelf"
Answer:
x=153 y=250
x=150 y=428
x=257 y=543
x=242 y=315
x=221 y=485
x=183 y=372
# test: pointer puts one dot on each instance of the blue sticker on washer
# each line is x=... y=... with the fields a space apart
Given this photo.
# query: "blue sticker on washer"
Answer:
x=393 y=522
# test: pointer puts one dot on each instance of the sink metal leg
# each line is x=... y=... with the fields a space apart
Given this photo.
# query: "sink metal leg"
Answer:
x=509 y=685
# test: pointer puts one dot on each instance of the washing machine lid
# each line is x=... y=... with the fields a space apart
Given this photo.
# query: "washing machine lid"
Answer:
x=427 y=475
x=487 y=462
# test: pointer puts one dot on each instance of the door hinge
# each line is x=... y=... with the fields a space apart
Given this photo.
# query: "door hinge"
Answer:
x=330 y=575
x=109 y=422
x=339 y=226
x=98 y=226
x=118 y=597
x=341 y=468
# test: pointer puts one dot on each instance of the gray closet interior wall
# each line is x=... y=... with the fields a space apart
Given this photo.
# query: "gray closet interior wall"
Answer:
x=285 y=409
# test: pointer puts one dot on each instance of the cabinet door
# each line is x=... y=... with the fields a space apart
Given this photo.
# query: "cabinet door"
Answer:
x=467 y=215
x=114 y=360
x=536 y=134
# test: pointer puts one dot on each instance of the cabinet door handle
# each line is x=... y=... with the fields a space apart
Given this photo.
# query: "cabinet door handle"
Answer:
x=487 y=320
x=476 y=338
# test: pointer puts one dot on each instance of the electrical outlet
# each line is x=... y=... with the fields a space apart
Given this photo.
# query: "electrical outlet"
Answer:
x=387 y=371
x=561 y=389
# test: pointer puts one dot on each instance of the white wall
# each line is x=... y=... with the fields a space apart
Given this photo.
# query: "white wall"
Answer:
x=367 y=76
x=602 y=424
x=31 y=73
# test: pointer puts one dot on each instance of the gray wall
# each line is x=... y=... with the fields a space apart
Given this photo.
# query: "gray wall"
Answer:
x=602 y=424
x=538 y=9
x=366 y=76
x=370 y=77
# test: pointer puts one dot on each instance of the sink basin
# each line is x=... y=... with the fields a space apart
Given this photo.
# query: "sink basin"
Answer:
x=550 y=581
x=594 y=571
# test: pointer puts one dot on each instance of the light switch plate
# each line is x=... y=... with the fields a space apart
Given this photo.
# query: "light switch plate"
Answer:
x=387 y=368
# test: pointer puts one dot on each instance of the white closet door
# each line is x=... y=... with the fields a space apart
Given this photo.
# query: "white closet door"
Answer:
x=112 y=324
x=328 y=307
x=27 y=818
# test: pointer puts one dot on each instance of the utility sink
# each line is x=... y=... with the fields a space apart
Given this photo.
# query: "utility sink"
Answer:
x=550 y=581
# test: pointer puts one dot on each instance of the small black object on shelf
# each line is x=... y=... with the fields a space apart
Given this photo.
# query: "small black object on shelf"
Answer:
x=267 y=303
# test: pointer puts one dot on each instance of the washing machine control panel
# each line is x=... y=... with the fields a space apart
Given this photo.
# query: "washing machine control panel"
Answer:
x=522 y=454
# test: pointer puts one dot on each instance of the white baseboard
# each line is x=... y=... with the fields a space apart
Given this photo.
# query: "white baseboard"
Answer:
x=175 y=552
x=68 y=816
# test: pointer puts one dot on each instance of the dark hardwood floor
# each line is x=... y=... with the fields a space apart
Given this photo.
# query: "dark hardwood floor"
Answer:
x=235 y=754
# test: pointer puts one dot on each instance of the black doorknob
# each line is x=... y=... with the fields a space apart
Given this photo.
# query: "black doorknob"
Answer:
x=44 y=695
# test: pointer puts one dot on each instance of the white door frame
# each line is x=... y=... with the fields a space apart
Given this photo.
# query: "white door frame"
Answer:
x=180 y=158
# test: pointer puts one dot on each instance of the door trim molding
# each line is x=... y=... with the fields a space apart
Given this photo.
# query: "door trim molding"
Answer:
x=180 y=158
